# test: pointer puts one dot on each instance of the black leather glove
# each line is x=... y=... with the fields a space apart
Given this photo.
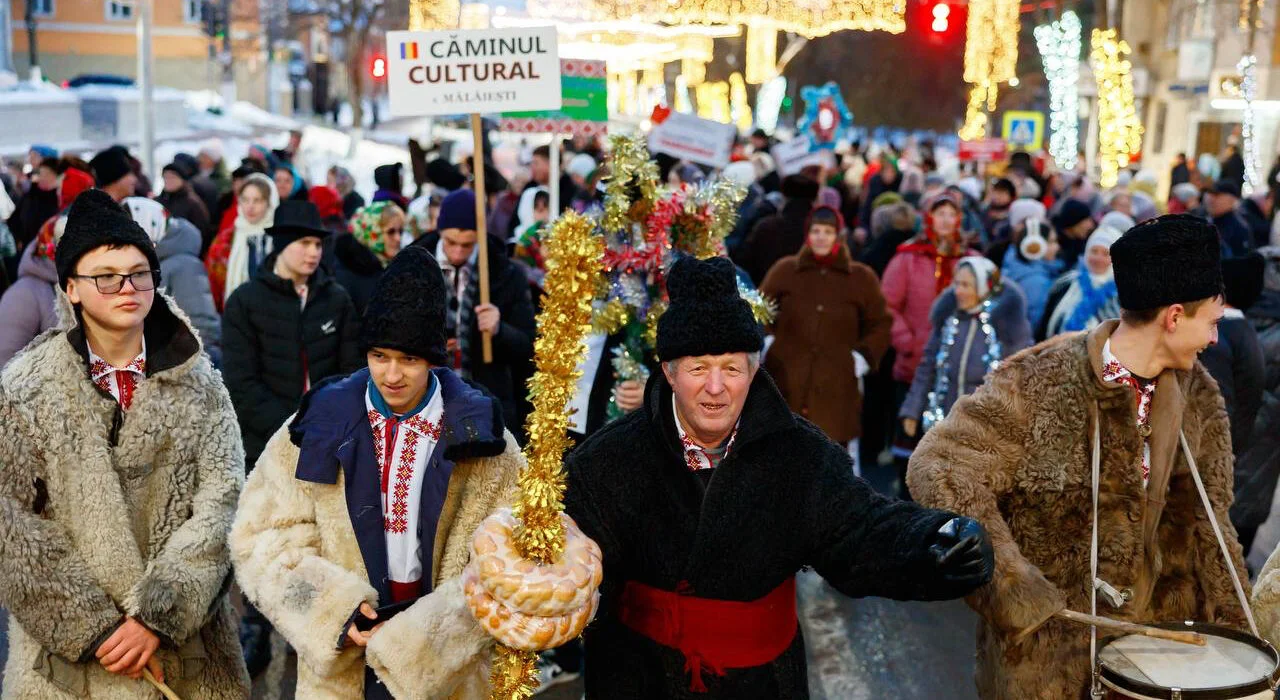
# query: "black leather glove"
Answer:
x=962 y=555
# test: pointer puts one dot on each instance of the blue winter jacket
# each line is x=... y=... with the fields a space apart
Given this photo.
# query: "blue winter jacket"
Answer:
x=1035 y=277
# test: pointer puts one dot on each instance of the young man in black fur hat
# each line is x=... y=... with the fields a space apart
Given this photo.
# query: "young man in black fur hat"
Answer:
x=1018 y=455
x=367 y=501
x=708 y=499
x=119 y=471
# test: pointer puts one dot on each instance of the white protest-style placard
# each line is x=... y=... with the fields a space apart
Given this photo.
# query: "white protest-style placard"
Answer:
x=694 y=139
x=473 y=71
x=790 y=157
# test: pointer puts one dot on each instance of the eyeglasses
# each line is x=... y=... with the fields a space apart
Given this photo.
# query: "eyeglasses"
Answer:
x=112 y=283
x=393 y=231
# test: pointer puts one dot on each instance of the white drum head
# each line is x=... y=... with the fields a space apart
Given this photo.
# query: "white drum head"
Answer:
x=1144 y=667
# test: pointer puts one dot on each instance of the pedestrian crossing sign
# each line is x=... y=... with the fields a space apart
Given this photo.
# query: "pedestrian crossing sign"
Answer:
x=1024 y=131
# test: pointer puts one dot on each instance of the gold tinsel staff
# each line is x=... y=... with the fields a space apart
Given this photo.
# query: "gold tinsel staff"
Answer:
x=535 y=546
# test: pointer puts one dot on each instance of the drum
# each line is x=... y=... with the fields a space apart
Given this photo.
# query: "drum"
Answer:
x=1231 y=666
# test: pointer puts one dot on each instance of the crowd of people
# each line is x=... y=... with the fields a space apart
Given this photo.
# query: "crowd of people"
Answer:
x=898 y=288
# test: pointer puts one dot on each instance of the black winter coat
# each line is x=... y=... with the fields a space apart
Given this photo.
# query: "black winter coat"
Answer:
x=773 y=239
x=1258 y=465
x=785 y=497
x=266 y=333
x=513 y=343
x=356 y=268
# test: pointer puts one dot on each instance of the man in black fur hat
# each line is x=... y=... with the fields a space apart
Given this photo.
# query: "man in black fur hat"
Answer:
x=1018 y=454
x=708 y=499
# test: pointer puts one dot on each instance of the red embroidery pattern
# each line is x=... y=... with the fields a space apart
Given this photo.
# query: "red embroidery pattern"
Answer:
x=695 y=457
x=397 y=521
x=125 y=379
x=1113 y=371
x=396 y=514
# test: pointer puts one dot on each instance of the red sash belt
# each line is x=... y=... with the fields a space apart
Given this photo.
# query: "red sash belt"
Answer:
x=713 y=635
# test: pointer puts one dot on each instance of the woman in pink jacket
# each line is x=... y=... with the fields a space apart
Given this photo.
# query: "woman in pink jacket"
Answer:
x=917 y=274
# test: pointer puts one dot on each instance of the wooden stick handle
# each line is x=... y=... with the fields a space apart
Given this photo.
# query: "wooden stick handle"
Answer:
x=1132 y=628
x=164 y=689
x=482 y=228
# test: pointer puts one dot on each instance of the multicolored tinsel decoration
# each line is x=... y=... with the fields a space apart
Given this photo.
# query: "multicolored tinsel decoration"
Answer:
x=763 y=309
x=574 y=254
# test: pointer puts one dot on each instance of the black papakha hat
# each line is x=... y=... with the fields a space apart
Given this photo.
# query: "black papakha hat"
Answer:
x=707 y=316
x=406 y=311
x=1172 y=259
x=96 y=220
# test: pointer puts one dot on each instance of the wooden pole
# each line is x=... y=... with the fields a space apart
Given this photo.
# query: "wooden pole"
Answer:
x=482 y=229
x=1194 y=638
x=554 y=181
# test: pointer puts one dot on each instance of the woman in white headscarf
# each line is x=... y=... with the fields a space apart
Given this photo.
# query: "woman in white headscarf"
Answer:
x=1086 y=296
x=238 y=250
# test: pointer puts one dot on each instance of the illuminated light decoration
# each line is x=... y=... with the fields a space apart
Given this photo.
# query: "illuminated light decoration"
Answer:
x=474 y=16
x=990 y=58
x=1060 y=43
x=627 y=45
x=808 y=18
x=975 y=115
x=739 y=103
x=769 y=103
x=1119 y=131
x=694 y=71
x=991 y=42
x=1248 y=68
x=426 y=15
x=826 y=117
x=684 y=103
x=762 y=53
x=713 y=102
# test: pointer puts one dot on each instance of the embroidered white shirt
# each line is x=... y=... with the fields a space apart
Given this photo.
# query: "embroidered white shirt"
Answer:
x=120 y=382
x=403 y=447
x=697 y=457
x=1144 y=392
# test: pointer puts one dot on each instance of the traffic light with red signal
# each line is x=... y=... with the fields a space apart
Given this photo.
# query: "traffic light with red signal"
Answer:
x=941 y=13
x=378 y=67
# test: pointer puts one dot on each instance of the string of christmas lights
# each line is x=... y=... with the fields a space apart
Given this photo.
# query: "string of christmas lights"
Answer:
x=1060 y=43
x=990 y=58
x=809 y=18
x=762 y=53
x=1119 y=130
x=991 y=41
x=1248 y=67
x=975 y=115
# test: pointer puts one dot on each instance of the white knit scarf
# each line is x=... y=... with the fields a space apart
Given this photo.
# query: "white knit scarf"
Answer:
x=246 y=234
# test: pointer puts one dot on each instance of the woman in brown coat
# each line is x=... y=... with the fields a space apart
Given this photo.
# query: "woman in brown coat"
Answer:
x=832 y=326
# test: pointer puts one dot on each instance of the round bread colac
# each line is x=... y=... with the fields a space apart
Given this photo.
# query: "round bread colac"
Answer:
x=1172 y=259
x=707 y=316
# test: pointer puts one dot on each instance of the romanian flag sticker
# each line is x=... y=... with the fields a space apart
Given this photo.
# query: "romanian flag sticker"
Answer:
x=409 y=50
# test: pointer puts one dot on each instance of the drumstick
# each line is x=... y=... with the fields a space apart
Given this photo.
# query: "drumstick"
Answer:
x=1132 y=628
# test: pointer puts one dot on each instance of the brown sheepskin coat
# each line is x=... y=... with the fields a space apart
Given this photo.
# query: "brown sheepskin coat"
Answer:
x=1016 y=456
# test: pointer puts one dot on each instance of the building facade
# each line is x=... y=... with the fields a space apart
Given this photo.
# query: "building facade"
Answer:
x=94 y=37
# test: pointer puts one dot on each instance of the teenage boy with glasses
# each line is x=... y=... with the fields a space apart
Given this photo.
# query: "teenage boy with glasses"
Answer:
x=119 y=474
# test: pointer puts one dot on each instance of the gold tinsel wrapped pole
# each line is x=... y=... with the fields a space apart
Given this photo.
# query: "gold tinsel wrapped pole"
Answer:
x=573 y=254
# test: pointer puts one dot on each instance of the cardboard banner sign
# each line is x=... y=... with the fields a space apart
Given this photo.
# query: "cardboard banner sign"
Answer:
x=473 y=71
x=694 y=139
x=790 y=157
